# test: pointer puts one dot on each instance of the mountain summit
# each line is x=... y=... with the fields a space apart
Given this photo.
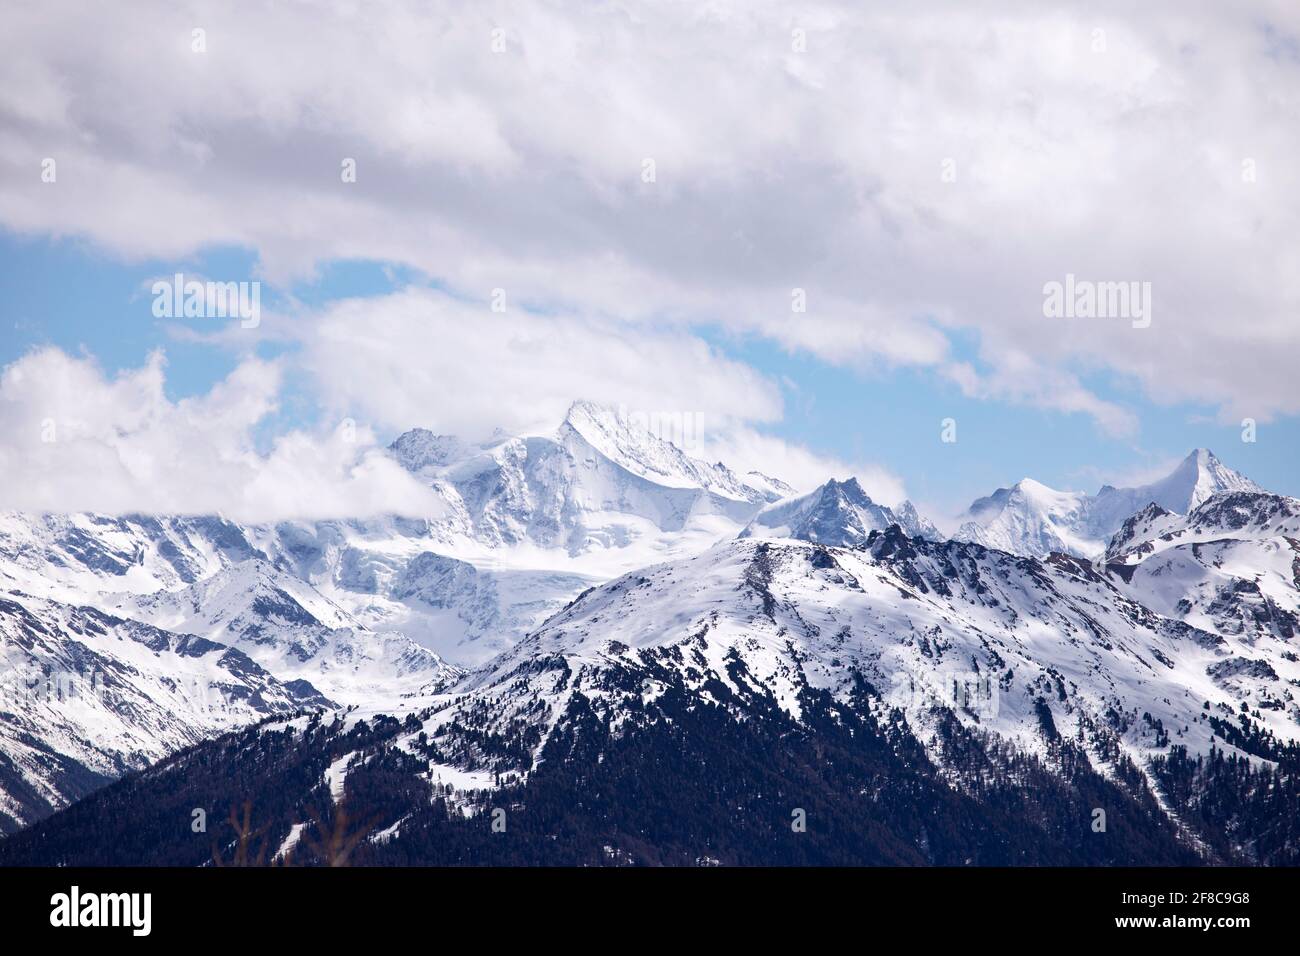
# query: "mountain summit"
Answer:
x=839 y=513
x=641 y=452
x=1199 y=477
x=598 y=482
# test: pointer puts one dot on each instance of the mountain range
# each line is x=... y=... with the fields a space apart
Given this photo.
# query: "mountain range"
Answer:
x=638 y=656
x=1031 y=518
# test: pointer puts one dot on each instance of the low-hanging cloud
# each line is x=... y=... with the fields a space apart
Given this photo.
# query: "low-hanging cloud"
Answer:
x=423 y=357
x=77 y=439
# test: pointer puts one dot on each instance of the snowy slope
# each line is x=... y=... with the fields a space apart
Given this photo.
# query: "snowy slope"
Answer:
x=88 y=696
x=1232 y=566
x=293 y=631
x=934 y=626
x=67 y=557
x=1033 y=519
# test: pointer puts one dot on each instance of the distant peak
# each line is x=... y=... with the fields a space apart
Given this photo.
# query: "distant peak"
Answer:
x=1037 y=491
x=848 y=490
x=411 y=435
x=600 y=424
x=585 y=412
x=582 y=408
x=653 y=445
x=617 y=433
x=1202 y=475
x=773 y=489
x=418 y=448
x=1202 y=461
x=592 y=419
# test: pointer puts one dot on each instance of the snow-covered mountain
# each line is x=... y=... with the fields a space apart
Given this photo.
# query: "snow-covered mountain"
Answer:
x=86 y=696
x=1031 y=518
x=838 y=513
x=1184 y=650
x=916 y=618
x=288 y=627
x=1239 y=514
x=529 y=522
x=352 y=608
x=71 y=556
x=1231 y=566
x=595 y=483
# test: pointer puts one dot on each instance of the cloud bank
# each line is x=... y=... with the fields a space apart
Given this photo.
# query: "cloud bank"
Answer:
x=78 y=440
x=917 y=175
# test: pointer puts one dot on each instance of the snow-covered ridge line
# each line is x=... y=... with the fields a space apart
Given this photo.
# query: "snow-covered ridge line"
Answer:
x=916 y=618
x=1031 y=518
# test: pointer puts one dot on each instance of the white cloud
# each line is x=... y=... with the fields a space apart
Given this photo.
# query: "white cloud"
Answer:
x=78 y=440
x=1014 y=376
x=421 y=357
x=822 y=170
